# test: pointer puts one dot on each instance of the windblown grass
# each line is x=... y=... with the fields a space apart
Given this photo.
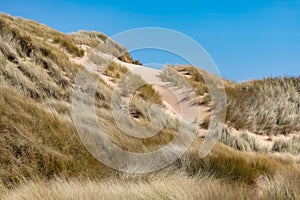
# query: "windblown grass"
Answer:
x=173 y=187
x=92 y=39
x=68 y=45
x=244 y=141
x=268 y=106
x=107 y=66
x=190 y=76
x=291 y=145
x=57 y=154
x=25 y=31
x=43 y=157
x=37 y=143
x=193 y=76
x=132 y=84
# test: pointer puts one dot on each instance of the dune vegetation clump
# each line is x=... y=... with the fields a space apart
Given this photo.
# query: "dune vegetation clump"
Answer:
x=269 y=106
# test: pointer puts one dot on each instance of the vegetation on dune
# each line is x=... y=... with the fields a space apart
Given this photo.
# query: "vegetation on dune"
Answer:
x=108 y=67
x=134 y=83
x=180 y=75
x=244 y=141
x=39 y=144
x=291 y=145
x=28 y=32
x=269 y=106
x=129 y=83
x=43 y=157
x=33 y=66
x=36 y=148
x=195 y=79
x=103 y=44
x=74 y=50
x=225 y=174
x=91 y=39
x=43 y=152
x=176 y=186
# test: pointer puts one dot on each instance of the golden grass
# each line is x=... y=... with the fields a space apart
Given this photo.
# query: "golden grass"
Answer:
x=27 y=32
x=170 y=183
x=174 y=187
x=69 y=46
x=129 y=82
x=37 y=143
x=103 y=44
x=190 y=76
x=108 y=67
x=44 y=152
x=42 y=156
x=133 y=84
x=92 y=39
x=291 y=145
x=196 y=78
x=244 y=140
x=268 y=106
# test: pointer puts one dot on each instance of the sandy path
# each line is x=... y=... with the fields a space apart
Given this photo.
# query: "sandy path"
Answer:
x=171 y=96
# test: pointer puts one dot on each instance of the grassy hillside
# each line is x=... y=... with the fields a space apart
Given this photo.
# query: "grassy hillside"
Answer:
x=40 y=146
x=268 y=106
x=43 y=157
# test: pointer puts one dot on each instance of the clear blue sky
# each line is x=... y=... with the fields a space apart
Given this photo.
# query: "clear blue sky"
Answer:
x=246 y=39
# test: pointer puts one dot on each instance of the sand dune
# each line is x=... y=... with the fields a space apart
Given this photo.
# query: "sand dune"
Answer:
x=172 y=97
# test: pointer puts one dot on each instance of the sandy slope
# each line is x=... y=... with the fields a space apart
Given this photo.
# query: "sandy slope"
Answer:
x=171 y=96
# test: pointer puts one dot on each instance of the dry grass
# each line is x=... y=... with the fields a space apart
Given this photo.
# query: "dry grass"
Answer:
x=27 y=32
x=291 y=145
x=283 y=186
x=174 y=187
x=37 y=143
x=129 y=82
x=103 y=44
x=196 y=78
x=244 y=141
x=42 y=156
x=92 y=39
x=133 y=85
x=43 y=152
x=268 y=106
x=47 y=138
x=38 y=66
x=108 y=67
x=69 y=46
x=170 y=74
x=170 y=183
x=190 y=76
